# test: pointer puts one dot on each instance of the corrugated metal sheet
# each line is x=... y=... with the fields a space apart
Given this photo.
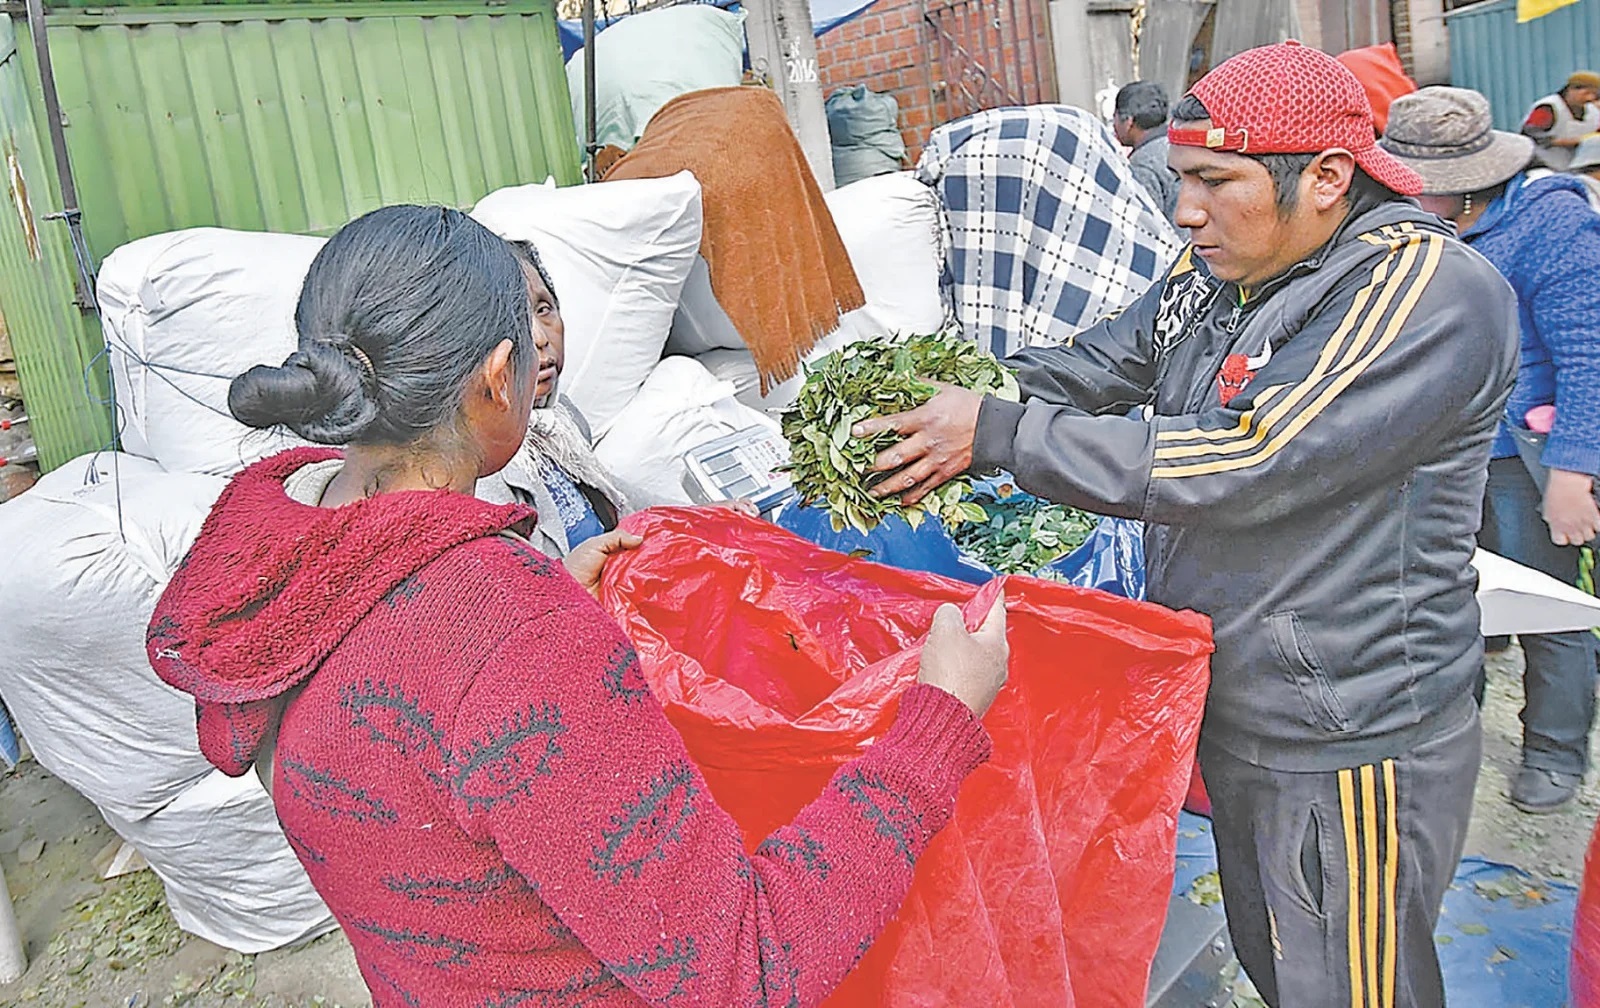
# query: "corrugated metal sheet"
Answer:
x=1516 y=65
x=55 y=344
x=285 y=117
x=297 y=119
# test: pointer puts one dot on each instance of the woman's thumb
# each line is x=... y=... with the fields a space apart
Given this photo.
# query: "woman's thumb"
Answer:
x=947 y=620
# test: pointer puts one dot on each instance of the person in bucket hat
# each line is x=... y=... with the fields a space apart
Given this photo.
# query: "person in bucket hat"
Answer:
x=1301 y=412
x=1542 y=236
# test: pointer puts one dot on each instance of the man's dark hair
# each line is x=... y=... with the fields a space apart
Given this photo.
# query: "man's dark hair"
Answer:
x=1145 y=102
x=1286 y=169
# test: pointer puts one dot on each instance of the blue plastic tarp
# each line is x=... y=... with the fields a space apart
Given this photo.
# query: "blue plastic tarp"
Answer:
x=826 y=15
x=1503 y=936
x=10 y=751
x=1111 y=560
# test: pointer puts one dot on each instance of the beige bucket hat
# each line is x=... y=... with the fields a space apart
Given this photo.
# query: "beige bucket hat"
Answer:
x=1446 y=135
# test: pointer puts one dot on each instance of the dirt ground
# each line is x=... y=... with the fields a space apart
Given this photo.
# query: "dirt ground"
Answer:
x=1549 y=845
x=94 y=944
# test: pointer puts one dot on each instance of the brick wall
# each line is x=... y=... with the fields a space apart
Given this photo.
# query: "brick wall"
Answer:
x=1400 y=17
x=887 y=50
x=890 y=49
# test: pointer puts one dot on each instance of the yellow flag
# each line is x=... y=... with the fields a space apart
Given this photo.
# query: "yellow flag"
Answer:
x=1527 y=10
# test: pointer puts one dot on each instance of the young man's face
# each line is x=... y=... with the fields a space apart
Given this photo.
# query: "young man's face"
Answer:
x=1229 y=204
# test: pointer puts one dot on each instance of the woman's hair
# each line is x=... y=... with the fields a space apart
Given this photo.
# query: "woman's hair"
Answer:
x=398 y=311
x=528 y=255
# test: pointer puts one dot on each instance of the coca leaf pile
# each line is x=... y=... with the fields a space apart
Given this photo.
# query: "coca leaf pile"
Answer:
x=873 y=378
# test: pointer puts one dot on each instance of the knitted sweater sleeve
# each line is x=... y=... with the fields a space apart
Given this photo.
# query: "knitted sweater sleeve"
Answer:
x=589 y=792
x=1563 y=296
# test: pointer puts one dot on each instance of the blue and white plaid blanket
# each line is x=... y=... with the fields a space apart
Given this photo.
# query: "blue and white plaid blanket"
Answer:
x=1048 y=231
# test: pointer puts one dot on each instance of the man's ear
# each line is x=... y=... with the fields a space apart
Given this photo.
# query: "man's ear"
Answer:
x=1329 y=178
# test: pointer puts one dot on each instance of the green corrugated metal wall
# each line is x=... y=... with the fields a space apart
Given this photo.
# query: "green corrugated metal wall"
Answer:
x=295 y=117
x=53 y=341
x=1516 y=65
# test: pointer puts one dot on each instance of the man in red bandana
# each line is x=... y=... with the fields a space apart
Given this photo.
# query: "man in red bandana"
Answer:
x=1301 y=413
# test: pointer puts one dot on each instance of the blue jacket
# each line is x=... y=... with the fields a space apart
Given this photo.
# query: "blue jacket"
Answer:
x=1544 y=238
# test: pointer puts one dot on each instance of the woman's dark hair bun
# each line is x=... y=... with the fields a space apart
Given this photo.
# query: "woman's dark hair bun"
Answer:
x=396 y=315
x=320 y=393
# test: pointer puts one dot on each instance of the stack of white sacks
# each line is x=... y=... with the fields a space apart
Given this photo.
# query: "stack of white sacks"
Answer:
x=652 y=362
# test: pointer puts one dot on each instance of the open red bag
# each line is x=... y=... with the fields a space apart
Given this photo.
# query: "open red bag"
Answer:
x=778 y=660
x=1583 y=978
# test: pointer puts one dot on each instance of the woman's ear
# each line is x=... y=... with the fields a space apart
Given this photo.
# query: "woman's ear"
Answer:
x=499 y=375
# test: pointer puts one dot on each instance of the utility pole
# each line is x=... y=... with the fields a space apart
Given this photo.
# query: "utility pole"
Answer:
x=783 y=48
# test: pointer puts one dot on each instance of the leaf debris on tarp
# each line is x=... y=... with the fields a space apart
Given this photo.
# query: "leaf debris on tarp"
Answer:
x=1206 y=890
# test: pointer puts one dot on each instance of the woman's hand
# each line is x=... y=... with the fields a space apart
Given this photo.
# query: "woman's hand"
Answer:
x=1570 y=509
x=586 y=562
x=741 y=505
x=969 y=666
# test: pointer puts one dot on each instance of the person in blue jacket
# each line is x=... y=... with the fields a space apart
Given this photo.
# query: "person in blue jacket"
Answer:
x=1544 y=238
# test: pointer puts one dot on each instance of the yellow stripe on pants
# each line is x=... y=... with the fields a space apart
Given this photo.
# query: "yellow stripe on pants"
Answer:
x=1347 y=806
x=1369 y=837
x=1391 y=872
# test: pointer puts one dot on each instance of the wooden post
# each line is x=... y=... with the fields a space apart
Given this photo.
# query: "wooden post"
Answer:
x=783 y=48
x=13 y=960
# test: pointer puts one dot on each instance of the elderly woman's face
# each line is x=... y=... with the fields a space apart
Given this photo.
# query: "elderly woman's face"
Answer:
x=549 y=338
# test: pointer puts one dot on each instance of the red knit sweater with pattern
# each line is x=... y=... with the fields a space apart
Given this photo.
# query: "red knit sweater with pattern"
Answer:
x=477 y=779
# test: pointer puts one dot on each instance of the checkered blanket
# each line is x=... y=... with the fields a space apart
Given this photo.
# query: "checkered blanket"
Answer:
x=1048 y=230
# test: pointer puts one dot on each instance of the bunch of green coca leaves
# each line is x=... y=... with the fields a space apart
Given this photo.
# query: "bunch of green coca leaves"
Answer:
x=874 y=378
x=1022 y=534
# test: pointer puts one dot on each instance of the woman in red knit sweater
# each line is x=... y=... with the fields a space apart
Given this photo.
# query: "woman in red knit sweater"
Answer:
x=467 y=759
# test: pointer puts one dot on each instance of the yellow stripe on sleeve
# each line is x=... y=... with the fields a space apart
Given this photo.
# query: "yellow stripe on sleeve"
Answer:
x=1359 y=319
x=1402 y=314
x=1330 y=350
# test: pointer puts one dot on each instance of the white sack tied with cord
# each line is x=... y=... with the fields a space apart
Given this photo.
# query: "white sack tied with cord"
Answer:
x=185 y=313
x=93 y=546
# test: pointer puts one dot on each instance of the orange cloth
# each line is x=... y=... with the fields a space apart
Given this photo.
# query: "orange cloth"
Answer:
x=605 y=157
x=1381 y=75
x=778 y=266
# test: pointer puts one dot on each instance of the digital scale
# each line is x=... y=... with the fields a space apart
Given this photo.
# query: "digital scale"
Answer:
x=741 y=465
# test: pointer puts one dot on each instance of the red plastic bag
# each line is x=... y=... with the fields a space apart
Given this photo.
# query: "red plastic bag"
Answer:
x=778 y=661
x=1583 y=981
x=1198 y=800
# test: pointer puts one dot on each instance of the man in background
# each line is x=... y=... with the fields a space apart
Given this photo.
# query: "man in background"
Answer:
x=1140 y=122
x=1559 y=122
